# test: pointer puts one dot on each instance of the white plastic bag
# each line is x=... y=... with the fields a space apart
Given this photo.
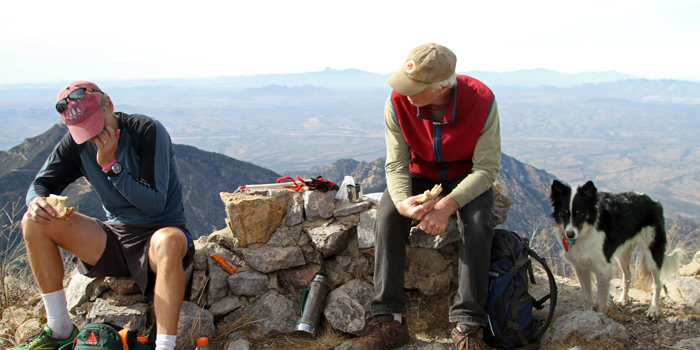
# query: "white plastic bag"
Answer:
x=342 y=193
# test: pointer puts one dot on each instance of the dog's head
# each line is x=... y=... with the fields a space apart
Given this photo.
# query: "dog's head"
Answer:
x=574 y=213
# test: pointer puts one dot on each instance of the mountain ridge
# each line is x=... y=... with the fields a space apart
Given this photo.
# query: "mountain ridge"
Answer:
x=203 y=174
x=353 y=79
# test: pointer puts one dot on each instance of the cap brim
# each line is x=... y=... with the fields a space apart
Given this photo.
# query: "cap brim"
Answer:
x=405 y=85
x=89 y=128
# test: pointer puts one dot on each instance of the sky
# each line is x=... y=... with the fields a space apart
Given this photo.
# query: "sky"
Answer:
x=57 y=41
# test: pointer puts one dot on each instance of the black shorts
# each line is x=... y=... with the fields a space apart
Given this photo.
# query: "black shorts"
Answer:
x=126 y=254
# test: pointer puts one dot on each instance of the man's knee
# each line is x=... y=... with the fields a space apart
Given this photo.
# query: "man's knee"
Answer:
x=31 y=229
x=168 y=243
x=477 y=226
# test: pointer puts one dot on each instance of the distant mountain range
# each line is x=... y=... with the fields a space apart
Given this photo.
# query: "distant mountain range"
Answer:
x=625 y=134
x=352 y=79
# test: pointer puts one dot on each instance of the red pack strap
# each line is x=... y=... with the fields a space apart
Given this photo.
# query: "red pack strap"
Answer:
x=295 y=186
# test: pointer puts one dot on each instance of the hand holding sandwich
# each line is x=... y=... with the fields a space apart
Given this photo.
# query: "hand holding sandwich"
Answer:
x=416 y=207
x=43 y=209
x=435 y=221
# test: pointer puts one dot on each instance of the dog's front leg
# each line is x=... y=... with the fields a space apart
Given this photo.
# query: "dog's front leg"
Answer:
x=603 y=283
x=584 y=277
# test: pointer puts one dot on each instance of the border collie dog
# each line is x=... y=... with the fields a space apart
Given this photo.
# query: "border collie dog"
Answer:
x=596 y=227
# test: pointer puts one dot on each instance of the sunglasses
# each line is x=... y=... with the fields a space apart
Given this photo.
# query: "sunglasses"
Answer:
x=74 y=95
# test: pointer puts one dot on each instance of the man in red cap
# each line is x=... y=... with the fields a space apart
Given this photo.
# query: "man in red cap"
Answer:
x=129 y=161
x=440 y=128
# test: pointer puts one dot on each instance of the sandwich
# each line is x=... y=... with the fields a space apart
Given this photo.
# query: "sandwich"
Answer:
x=59 y=205
x=430 y=194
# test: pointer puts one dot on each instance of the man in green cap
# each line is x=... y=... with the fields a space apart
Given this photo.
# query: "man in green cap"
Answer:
x=441 y=129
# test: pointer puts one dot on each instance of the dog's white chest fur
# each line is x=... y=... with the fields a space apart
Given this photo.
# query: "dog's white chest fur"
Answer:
x=587 y=252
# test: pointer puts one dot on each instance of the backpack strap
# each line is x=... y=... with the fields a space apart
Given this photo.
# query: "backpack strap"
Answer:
x=522 y=260
x=552 y=295
x=521 y=333
x=519 y=263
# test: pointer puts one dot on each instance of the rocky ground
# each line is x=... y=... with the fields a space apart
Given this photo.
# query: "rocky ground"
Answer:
x=676 y=321
x=430 y=330
x=427 y=317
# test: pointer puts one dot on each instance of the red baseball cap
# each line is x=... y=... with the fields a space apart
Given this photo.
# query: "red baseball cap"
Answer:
x=83 y=117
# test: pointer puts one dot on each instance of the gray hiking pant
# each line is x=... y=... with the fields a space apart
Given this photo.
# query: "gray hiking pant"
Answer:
x=391 y=235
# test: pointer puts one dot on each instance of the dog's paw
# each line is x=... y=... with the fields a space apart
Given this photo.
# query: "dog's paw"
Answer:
x=653 y=312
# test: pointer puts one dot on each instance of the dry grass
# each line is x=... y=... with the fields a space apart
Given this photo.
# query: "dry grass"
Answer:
x=326 y=338
x=17 y=281
x=224 y=330
x=576 y=339
x=428 y=316
x=366 y=274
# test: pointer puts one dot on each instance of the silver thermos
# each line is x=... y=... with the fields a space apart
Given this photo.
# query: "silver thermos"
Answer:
x=311 y=305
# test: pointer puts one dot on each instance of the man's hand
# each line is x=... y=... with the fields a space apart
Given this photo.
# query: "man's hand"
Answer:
x=410 y=208
x=435 y=221
x=106 y=142
x=40 y=211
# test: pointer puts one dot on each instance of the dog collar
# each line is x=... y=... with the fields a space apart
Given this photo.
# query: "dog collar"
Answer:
x=567 y=242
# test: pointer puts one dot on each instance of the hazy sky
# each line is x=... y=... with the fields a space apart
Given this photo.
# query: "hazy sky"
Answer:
x=59 y=41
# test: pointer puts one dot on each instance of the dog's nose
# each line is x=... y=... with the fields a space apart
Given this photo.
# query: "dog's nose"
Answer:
x=570 y=234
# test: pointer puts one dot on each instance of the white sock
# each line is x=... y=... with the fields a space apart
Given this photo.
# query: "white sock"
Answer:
x=398 y=318
x=57 y=318
x=465 y=326
x=165 y=342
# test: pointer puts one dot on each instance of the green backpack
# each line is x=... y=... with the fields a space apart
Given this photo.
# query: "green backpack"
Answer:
x=107 y=336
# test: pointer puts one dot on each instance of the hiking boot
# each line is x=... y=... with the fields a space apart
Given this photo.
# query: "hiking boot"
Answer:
x=382 y=332
x=44 y=341
x=471 y=340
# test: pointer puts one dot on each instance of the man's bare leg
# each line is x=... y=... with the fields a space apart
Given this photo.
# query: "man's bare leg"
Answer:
x=168 y=247
x=81 y=236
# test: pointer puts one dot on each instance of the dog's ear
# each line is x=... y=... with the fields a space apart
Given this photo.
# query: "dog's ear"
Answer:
x=558 y=190
x=588 y=190
x=560 y=187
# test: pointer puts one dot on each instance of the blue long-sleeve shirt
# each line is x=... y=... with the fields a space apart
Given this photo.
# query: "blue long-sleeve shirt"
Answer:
x=147 y=191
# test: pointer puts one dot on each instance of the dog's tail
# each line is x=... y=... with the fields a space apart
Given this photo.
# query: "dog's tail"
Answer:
x=672 y=263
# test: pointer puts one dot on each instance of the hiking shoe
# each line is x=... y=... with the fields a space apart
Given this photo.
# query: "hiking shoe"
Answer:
x=382 y=332
x=44 y=341
x=472 y=340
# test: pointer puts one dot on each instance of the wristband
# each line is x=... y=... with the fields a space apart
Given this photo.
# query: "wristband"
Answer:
x=108 y=166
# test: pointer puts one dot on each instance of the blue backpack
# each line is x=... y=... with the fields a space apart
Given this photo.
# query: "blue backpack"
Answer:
x=509 y=303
